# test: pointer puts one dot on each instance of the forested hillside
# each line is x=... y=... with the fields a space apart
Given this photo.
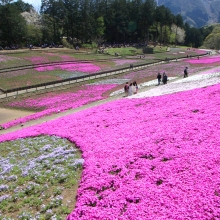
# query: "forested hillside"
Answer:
x=197 y=13
x=82 y=22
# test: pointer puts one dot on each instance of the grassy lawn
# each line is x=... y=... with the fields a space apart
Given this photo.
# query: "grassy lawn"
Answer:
x=39 y=178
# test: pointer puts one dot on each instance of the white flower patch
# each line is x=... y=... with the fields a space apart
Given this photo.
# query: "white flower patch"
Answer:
x=197 y=81
x=141 y=85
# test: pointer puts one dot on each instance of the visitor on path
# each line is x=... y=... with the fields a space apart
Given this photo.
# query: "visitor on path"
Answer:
x=135 y=87
x=126 y=88
x=130 y=89
x=185 y=72
x=159 y=78
x=164 y=78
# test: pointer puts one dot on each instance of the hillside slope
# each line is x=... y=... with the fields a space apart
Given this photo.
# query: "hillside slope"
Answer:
x=197 y=13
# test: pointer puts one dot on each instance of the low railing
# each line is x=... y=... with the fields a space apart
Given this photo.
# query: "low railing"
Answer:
x=63 y=82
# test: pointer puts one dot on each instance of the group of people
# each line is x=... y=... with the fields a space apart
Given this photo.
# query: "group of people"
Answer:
x=131 y=88
x=163 y=78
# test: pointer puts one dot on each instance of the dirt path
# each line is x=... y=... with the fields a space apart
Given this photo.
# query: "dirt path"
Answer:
x=7 y=115
x=14 y=114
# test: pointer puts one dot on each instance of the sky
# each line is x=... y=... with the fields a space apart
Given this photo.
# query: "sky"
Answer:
x=35 y=3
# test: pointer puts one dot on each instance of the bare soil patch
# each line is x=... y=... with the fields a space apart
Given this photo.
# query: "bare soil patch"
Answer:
x=7 y=115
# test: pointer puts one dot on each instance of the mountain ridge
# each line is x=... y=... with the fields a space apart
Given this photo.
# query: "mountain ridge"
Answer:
x=197 y=13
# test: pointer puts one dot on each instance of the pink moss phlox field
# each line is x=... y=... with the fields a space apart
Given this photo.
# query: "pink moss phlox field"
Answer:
x=151 y=158
x=205 y=60
x=60 y=102
x=37 y=59
x=5 y=58
x=82 y=67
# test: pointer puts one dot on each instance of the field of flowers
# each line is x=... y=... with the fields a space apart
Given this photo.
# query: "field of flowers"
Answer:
x=174 y=69
x=148 y=158
x=28 y=77
x=35 y=176
x=55 y=102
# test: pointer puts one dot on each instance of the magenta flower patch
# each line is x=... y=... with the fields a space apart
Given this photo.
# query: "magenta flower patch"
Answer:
x=81 y=67
x=150 y=158
x=55 y=103
x=205 y=60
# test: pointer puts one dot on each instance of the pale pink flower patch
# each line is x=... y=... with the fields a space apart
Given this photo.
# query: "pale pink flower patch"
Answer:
x=127 y=61
x=37 y=60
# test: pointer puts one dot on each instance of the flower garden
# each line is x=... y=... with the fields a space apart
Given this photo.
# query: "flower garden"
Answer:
x=36 y=174
x=59 y=71
x=144 y=158
x=153 y=157
x=53 y=103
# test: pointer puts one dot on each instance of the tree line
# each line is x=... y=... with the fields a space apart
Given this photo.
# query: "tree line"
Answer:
x=87 y=21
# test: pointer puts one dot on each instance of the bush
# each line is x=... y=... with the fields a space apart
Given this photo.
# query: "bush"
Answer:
x=66 y=43
x=148 y=50
x=90 y=46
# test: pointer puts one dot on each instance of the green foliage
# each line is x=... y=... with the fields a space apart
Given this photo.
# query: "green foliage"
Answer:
x=12 y=26
x=22 y=6
x=100 y=26
x=148 y=50
x=65 y=43
x=93 y=45
x=34 y=34
x=212 y=40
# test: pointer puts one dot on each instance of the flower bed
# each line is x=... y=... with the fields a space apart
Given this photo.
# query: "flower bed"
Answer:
x=81 y=67
x=55 y=103
x=35 y=176
x=150 y=158
x=205 y=60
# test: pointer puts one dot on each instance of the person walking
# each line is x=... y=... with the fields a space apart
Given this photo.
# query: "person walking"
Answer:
x=126 y=88
x=159 y=78
x=135 y=87
x=130 y=90
x=185 y=72
x=164 y=78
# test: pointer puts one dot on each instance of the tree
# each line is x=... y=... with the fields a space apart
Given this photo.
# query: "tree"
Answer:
x=147 y=17
x=13 y=26
x=34 y=34
x=55 y=10
x=193 y=37
x=22 y=6
x=160 y=19
x=178 y=23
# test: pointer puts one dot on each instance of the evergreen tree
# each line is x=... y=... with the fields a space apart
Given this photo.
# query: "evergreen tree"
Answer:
x=12 y=25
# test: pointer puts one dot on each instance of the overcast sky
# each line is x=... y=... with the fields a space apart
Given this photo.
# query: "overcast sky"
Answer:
x=35 y=3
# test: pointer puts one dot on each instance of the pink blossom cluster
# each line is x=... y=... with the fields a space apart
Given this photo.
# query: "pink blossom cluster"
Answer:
x=82 y=67
x=151 y=158
x=54 y=103
x=37 y=59
x=205 y=60
x=5 y=58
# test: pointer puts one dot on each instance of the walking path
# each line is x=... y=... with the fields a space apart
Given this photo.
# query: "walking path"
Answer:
x=150 y=89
